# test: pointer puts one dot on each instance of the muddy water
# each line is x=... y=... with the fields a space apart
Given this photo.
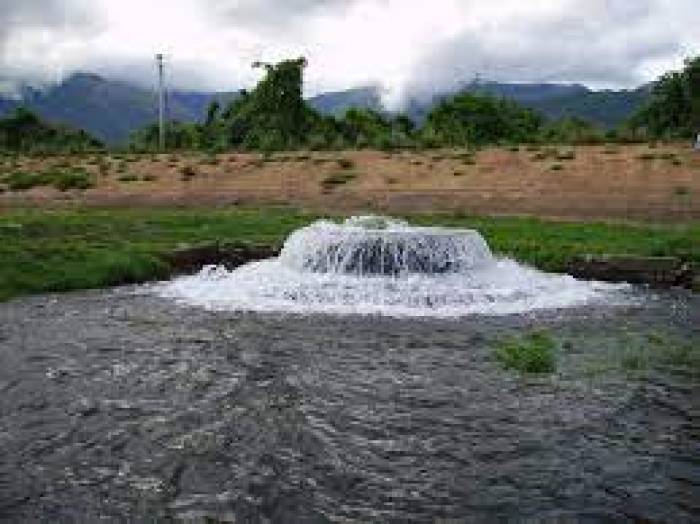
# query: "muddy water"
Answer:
x=119 y=405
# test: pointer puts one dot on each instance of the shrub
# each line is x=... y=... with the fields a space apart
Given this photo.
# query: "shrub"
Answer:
x=128 y=178
x=345 y=163
x=75 y=179
x=337 y=179
x=565 y=155
x=556 y=167
x=188 y=172
x=533 y=353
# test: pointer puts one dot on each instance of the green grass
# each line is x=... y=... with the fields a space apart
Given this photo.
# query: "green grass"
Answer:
x=43 y=251
x=61 y=179
x=549 y=245
x=337 y=179
x=531 y=353
x=57 y=250
x=660 y=351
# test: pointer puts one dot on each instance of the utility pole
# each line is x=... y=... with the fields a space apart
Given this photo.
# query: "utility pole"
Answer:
x=161 y=103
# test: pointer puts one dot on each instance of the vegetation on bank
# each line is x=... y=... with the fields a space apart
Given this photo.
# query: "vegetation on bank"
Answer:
x=24 y=132
x=61 y=250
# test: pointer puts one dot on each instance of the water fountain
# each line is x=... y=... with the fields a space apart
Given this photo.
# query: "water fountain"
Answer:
x=377 y=265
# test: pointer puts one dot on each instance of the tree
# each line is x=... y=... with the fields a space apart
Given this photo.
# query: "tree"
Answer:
x=274 y=114
x=25 y=131
x=470 y=118
x=673 y=110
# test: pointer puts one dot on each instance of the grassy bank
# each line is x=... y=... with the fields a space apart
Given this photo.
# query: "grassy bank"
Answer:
x=42 y=251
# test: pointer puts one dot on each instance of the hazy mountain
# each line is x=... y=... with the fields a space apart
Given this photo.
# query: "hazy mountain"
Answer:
x=338 y=102
x=111 y=110
x=554 y=101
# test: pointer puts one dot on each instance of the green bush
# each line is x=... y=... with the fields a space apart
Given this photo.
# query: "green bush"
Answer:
x=345 y=163
x=337 y=179
x=72 y=179
x=533 y=353
x=188 y=172
x=59 y=178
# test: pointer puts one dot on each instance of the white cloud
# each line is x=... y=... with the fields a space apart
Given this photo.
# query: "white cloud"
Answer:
x=407 y=45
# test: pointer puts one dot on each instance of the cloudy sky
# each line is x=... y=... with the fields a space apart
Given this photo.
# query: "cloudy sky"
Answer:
x=408 y=46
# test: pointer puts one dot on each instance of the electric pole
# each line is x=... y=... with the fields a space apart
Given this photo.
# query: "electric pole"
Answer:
x=161 y=103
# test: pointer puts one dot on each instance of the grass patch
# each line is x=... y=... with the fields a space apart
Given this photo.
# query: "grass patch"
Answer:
x=61 y=179
x=549 y=245
x=337 y=179
x=532 y=353
x=565 y=155
x=72 y=179
x=58 y=250
x=345 y=163
x=662 y=352
x=188 y=173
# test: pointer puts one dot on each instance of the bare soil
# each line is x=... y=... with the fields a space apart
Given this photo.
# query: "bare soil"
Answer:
x=635 y=182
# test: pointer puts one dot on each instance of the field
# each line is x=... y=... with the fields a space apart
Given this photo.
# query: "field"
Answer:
x=648 y=183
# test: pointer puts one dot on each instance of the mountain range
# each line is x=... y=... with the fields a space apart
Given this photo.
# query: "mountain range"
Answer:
x=111 y=110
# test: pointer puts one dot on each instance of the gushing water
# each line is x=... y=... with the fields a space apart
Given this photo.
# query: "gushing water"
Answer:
x=376 y=265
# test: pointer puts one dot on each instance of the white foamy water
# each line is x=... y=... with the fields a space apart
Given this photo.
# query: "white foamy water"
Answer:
x=372 y=265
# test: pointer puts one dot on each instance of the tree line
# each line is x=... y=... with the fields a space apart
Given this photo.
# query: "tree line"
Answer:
x=23 y=131
x=274 y=116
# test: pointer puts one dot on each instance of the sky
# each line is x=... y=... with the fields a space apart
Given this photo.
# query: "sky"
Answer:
x=411 y=48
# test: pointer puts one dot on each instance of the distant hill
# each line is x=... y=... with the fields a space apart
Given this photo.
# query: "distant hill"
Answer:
x=605 y=108
x=111 y=110
x=338 y=102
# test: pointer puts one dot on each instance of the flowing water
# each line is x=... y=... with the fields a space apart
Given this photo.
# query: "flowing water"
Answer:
x=122 y=405
x=375 y=265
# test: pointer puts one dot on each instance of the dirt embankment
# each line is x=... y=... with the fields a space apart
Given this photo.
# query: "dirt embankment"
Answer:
x=638 y=182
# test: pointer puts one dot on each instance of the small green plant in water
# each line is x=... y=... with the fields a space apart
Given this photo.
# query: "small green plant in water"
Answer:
x=532 y=353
